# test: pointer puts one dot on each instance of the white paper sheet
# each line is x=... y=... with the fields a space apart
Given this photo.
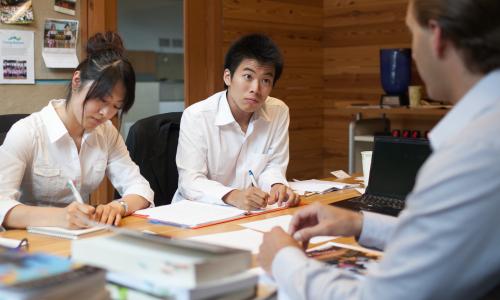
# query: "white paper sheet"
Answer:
x=245 y=239
x=284 y=222
x=17 y=57
x=317 y=186
x=190 y=213
x=340 y=174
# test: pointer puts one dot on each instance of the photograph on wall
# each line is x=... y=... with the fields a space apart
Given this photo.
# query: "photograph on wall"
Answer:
x=59 y=43
x=17 y=57
x=16 y=12
x=65 y=6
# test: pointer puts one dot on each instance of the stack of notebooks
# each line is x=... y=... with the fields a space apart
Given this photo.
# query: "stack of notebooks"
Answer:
x=42 y=276
x=169 y=268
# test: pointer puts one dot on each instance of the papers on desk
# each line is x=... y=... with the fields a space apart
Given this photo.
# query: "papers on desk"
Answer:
x=284 y=222
x=193 y=214
x=304 y=187
x=245 y=239
x=251 y=238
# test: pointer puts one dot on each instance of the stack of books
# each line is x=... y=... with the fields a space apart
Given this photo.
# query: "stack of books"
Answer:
x=42 y=276
x=170 y=268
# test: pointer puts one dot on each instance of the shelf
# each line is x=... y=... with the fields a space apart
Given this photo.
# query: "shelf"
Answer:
x=364 y=138
x=439 y=111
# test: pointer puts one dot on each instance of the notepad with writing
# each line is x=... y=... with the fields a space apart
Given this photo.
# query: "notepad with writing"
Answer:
x=194 y=214
x=72 y=234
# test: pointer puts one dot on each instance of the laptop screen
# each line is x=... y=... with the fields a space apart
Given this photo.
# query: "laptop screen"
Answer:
x=395 y=164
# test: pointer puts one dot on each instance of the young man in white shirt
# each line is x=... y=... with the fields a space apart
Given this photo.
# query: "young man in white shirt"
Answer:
x=236 y=132
x=445 y=243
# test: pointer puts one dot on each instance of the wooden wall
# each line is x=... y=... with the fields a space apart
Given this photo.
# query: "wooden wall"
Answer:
x=354 y=32
x=297 y=27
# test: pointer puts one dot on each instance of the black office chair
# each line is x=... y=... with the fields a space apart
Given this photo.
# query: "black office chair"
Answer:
x=6 y=121
x=152 y=143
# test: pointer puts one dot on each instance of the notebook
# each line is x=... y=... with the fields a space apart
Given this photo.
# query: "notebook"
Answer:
x=64 y=233
x=394 y=167
x=194 y=214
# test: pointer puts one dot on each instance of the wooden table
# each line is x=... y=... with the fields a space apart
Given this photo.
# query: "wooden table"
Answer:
x=59 y=246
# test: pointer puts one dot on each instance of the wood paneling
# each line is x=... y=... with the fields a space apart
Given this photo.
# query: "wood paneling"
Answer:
x=297 y=28
x=354 y=33
x=203 y=60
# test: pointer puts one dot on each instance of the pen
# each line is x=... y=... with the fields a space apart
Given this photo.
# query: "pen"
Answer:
x=252 y=177
x=75 y=192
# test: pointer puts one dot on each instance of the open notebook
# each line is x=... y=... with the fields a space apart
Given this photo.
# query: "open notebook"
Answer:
x=72 y=234
x=193 y=214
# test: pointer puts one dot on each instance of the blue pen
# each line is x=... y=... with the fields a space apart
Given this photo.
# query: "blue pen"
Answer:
x=158 y=222
x=252 y=177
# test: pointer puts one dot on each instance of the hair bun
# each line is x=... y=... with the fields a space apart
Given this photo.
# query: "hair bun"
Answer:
x=102 y=44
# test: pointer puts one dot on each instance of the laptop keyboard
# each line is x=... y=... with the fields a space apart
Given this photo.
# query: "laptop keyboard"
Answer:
x=379 y=201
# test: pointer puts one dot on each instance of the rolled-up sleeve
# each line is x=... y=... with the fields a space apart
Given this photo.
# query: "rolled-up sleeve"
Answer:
x=123 y=172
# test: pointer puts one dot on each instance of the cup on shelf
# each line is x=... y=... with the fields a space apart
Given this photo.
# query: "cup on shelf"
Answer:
x=415 y=95
x=366 y=159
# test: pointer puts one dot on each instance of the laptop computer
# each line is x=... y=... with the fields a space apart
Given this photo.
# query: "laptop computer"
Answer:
x=395 y=164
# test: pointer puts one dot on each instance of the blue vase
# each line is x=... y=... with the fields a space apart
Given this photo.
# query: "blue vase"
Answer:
x=395 y=71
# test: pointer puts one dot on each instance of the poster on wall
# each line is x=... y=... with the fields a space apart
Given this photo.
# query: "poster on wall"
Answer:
x=16 y=12
x=59 y=43
x=65 y=6
x=17 y=57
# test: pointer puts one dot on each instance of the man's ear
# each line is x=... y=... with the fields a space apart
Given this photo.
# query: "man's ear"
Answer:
x=438 y=43
x=76 y=81
x=227 y=77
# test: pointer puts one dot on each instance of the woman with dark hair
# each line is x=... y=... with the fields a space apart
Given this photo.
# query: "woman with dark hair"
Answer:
x=74 y=139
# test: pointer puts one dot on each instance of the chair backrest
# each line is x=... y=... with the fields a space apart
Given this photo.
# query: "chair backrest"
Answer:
x=6 y=121
x=152 y=143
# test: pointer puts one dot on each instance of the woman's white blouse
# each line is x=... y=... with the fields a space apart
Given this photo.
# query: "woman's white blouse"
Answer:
x=38 y=157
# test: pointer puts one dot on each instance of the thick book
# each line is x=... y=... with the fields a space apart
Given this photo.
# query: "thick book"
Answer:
x=161 y=262
x=64 y=233
x=43 y=276
x=194 y=214
x=238 y=286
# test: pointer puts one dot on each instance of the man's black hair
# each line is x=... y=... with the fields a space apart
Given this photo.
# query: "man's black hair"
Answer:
x=258 y=47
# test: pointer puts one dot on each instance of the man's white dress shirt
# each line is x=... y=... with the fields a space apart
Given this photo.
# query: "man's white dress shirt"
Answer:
x=445 y=244
x=38 y=157
x=214 y=155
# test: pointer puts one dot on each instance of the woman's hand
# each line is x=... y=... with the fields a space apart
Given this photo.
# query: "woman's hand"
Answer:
x=76 y=215
x=110 y=213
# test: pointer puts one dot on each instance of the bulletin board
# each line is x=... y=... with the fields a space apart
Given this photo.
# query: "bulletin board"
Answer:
x=28 y=98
